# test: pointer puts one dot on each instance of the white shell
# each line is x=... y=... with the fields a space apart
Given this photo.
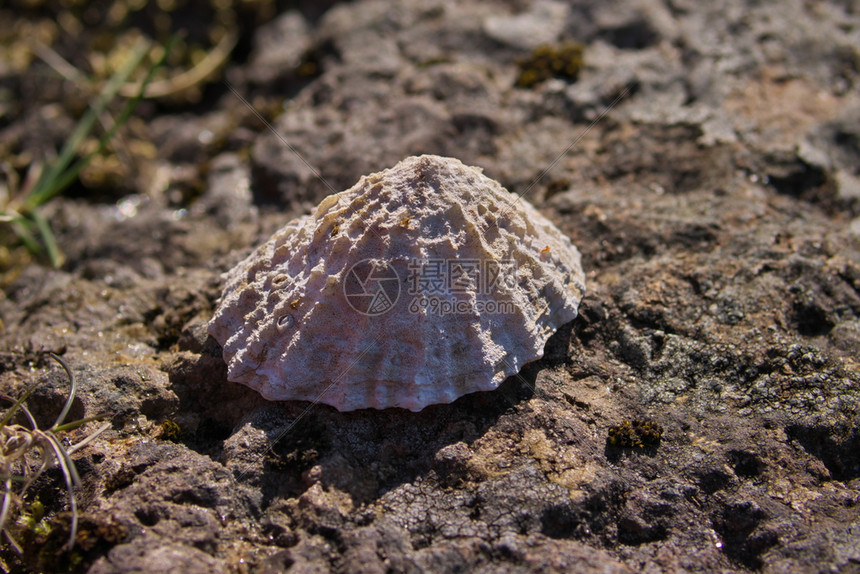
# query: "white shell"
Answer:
x=418 y=285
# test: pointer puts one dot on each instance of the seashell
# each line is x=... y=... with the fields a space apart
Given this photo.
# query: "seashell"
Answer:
x=414 y=287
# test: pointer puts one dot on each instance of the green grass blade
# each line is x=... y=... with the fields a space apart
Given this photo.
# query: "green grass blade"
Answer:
x=22 y=227
x=77 y=423
x=17 y=405
x=73 y=389
x=48 y=239
x=70 y=475
x=65 y=179
x=13 y=477
x=47 y=187
x=59 y=174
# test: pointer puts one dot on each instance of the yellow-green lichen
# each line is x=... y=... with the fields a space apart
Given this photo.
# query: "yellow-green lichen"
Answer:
x=170 y=431
x=636 y=434
x=563 y=61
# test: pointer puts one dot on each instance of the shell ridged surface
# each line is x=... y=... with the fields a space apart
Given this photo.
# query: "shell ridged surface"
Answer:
x=419 y=284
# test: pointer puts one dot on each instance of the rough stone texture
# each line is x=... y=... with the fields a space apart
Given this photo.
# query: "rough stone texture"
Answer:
x=711 y=201
x=417 y=285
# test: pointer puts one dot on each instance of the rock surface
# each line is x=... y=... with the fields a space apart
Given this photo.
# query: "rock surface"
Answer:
x=414 y=287
x=704 y=163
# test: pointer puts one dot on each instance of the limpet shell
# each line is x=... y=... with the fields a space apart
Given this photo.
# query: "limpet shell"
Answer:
x=414 y=287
